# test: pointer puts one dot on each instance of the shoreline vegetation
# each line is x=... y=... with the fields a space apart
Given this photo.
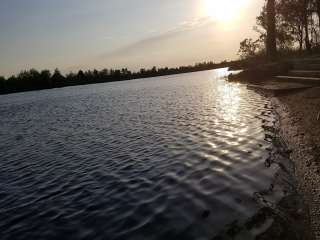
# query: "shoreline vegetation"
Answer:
x=30 y=80
x=260 y=72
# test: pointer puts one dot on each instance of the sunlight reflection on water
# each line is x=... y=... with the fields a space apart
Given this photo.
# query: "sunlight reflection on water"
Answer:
x=229 y=102
x=132 y=160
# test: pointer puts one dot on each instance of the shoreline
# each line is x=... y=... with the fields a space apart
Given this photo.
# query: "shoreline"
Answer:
x=284 y=211
x=298 y=117
x=300 y=128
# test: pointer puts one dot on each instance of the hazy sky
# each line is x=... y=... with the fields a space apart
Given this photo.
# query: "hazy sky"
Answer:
x=73 y=34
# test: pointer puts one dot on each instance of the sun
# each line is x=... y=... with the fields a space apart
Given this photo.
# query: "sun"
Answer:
x=224 y=10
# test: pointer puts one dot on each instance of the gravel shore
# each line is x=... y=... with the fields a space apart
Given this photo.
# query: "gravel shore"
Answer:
x=299 y=118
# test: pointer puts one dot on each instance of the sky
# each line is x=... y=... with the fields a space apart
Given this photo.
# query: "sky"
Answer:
x=88 y=34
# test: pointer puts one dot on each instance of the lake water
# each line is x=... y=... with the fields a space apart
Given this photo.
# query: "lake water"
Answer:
x=176 y=157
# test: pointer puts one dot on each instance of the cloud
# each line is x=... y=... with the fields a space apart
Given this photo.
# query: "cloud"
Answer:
x=201 y=39
x=182 y=28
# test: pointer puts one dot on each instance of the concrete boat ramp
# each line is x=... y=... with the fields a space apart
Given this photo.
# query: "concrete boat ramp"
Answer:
x=276 y=88
x=304 y=74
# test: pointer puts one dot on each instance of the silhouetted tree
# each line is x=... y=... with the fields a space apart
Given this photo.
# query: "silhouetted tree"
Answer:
x=271 y=30
x=81 y=77
x=286 y=25
x=57 y=78
x=33 y=80
x=154 y=69
x=291 y=17
x=2 y=84
x=104 y=73
x=249 y=48
x=45 y=76
x=317 y=3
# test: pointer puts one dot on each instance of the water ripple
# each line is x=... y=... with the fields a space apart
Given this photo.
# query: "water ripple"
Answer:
x=132 y=160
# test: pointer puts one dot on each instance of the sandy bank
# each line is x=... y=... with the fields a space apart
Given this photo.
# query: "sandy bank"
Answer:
x=299 y=118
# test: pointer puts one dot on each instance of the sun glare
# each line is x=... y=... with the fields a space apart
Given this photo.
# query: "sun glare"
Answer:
x=224 y=10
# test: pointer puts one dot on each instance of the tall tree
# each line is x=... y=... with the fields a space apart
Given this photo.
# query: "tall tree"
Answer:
x=291 y=18
x=306 y=24
x=318 y=9
x=271 y=30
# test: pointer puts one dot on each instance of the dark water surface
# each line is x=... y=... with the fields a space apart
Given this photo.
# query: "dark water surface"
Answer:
x=175 y=157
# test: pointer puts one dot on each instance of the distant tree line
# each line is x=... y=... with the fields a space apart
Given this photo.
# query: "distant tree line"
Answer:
x=297 y=28
x=34 y=80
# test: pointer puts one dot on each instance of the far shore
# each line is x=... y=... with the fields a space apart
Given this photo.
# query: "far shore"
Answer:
x=32 y=80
